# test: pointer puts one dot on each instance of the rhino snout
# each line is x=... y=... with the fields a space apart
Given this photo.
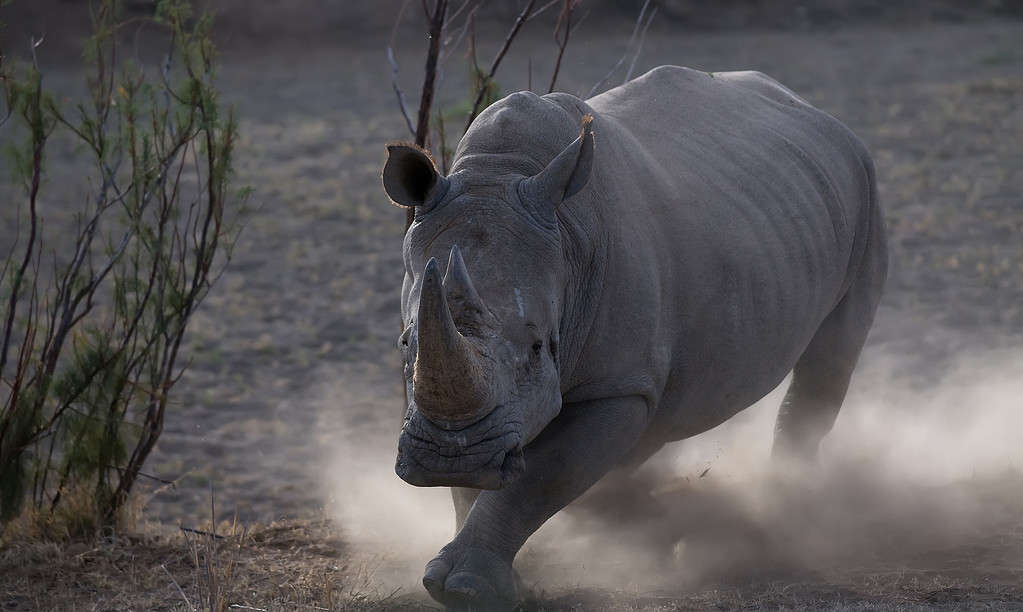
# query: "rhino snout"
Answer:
x=484 y=455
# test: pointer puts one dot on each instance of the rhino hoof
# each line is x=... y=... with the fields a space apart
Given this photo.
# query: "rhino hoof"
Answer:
x=467 y=578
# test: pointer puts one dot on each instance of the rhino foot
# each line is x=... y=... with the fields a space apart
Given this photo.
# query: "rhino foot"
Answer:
x=470 y=578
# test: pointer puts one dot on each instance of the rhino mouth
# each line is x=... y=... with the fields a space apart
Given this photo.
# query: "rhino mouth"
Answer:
x=484 y=455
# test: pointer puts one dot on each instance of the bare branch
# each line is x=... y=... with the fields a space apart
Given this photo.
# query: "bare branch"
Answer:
x=398 y=92
x=426 y=100
x=477 y=72
x=519 y=21
x=458 y=11
x=542 y=9
x=450 y=44
x=628 y=47
x=639 y=46
x=188 y=604
x=580 y=21
x=205 y=533
x=394 y=68
x=6 y=90
x=564 y=26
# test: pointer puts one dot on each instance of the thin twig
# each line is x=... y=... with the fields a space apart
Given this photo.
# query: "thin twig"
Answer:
x=202 y=533
x=443 y=143
x=452 y=43
x=639 y=46
x=7 y=93
x=394 y=69
x=453 y=16
x=398 y=92
x=172 y=483
x=542 y=9
x=579 y=22
x=477 y=72
x=177 y=586
x=397 y=21
x=628 y=47
x=564 y=24
x=519 y=21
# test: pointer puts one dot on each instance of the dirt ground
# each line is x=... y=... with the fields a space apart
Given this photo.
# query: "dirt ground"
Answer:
x=294 y=379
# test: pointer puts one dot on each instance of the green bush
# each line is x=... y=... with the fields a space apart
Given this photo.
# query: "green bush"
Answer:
x=91 y=328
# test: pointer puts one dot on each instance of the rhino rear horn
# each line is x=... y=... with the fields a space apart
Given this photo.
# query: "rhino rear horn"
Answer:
x=457 y=282
x=568 y=172
x=410 y=177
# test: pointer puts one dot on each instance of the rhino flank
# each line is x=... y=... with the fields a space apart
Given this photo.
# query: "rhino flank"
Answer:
x=611 y=288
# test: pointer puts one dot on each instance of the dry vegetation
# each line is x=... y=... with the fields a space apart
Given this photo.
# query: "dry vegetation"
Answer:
x=290 y=565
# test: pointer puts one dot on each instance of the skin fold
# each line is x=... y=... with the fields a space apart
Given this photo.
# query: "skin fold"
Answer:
x=597 y=278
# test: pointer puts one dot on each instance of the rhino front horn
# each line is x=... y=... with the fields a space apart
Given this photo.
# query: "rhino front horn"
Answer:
x=449 y=384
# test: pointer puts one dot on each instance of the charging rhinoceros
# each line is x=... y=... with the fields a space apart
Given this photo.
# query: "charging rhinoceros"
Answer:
x=612 y=287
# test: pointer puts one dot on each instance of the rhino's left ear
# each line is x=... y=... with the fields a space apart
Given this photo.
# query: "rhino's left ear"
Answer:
x=568 y=172
x=410 y=177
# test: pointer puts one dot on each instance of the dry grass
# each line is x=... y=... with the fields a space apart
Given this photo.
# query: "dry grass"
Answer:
x=305 y=565
x=294 y=565
x=895 y=592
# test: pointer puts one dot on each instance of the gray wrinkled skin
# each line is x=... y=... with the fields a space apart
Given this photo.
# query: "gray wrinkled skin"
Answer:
x=607 y=291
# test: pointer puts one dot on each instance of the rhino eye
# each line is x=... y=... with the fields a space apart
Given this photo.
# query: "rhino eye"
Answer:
x=537 y=347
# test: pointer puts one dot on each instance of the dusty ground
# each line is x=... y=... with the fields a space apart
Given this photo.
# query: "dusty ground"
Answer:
x=294 y=382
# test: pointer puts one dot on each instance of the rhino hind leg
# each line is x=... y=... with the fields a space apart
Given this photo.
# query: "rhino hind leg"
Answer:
x=821 y=376
x=809 y=409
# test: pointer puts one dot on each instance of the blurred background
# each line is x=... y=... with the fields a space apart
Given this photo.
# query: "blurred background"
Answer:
x=299 y=18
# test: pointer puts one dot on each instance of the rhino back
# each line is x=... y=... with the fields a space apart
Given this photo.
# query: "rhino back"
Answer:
x=731 y=215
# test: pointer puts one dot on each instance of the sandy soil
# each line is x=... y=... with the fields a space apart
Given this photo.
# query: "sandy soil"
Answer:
x=294 y=380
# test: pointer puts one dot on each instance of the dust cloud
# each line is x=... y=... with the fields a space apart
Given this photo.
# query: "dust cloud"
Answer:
x=393 y=527
x=916 y=468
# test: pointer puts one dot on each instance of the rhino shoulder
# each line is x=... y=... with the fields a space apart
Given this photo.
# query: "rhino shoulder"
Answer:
x=679 y=78
x=762 y=84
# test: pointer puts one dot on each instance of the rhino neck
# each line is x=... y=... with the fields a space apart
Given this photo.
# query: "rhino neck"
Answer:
x=585 y=250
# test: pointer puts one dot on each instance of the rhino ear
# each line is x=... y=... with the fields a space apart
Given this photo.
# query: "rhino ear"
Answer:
x=410 y=177
x=568 y=172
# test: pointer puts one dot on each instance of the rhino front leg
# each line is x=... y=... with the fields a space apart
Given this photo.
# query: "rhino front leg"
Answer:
x=464 y=499
x=572 y=453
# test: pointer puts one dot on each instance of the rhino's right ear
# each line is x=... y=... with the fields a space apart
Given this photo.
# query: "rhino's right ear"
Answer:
x=410 y=177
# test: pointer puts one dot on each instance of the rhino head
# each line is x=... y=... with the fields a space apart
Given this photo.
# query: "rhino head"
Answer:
x=481 y=337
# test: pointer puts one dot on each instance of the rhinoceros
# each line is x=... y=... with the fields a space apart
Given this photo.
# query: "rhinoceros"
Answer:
x=594 y=279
